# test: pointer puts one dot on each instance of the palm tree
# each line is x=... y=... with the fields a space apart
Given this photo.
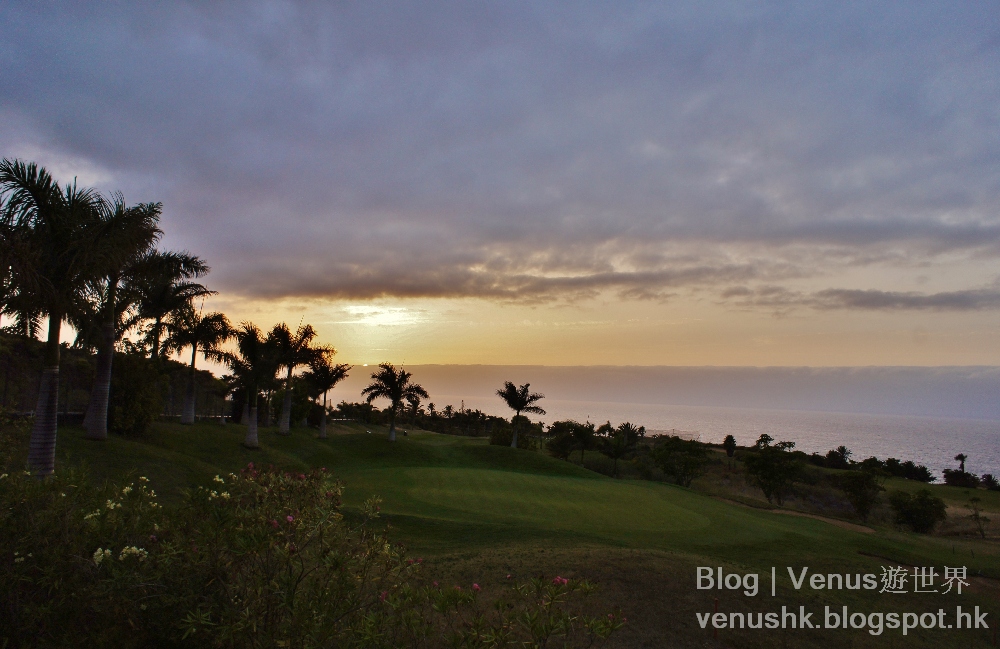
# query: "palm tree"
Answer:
x=110 y=306
x=188 y=328
x=621 y=440
x=54 y=234
x=323 y=376
x=395 y=386
x=294 y=352
x=254 y=366
x=961 y=457
x=520 y=400
x=165 y=289
x=583 y=435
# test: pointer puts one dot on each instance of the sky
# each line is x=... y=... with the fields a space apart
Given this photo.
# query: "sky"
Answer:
x=589 y=183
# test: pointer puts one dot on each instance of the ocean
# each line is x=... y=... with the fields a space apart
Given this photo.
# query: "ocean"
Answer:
x=932 y=441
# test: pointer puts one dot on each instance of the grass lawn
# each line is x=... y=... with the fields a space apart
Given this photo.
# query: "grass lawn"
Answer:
x=479 y=512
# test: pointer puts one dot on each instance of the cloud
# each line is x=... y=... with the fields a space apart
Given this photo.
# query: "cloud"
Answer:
x=782 y=300
x=523 y=151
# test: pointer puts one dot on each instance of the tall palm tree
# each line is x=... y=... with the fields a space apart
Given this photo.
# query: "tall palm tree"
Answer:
x=110 y=304
x=189 y=328
x=394 y=385
x=520 y=400
x=295 y=352
x=55 y=238
x=323 y=375
x=254 y=365
x=165 y=289
x=961 y=457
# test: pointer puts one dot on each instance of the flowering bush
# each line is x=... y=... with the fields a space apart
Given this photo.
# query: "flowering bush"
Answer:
x=259 y=559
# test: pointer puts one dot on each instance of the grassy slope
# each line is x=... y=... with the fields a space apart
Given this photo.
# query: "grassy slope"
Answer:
x=474 y=508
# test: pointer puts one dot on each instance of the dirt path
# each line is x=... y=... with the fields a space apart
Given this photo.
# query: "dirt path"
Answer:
x=854 y=527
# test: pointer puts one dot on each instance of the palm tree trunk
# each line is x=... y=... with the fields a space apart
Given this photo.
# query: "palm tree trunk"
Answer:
x=42 y=447
x=285 y=427
x=392 y=425
x=513 y=441
x=156 y=338
x=245 y=414
x=322 y=420
x=187 y=416
x=97 y=409
x=251 y=438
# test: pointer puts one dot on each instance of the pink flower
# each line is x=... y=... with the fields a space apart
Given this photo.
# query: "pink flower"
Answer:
x=409 y=562
x=435 y=584
x=475 y=587
x=560 y=581
x=458 y=588
x=289 y=518
x=420 y=560
x=250 y=466
x=323 y=469
x=274 y=523
x=152 y=537
x=302 y=476
x=385 y=593
x=508 y=575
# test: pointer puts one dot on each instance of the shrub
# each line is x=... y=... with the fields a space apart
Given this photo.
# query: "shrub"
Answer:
x=136 y=398
x=682 y=460
x=862 y=489
x=838 y=458
x=959 y=478
x=503 y=435
x=990 y=482
x=559 y=446
x=920 y=512
x=263 y=558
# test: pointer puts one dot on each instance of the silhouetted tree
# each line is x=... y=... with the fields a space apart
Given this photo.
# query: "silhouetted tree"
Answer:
x=188 y=328
x=394 y=385
x=520 y=400
x=323 y=375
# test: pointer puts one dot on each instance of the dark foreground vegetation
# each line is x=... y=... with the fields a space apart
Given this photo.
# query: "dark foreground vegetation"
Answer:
x=259 y=558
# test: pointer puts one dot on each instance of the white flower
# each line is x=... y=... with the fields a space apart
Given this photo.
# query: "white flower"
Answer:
x=92 y=515
x=143 y=478
x=127 y=490
x=224 y=494
x=218 y=479
x=133 y=551
x=63 y=494
x=100 y=555
x=110 y=504
x=2 y=476
x=18 y=559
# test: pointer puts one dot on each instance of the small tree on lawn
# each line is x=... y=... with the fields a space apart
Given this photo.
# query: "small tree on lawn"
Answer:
x=862 y=489
x=772 y=469
x=682 y=460
x=729 y=443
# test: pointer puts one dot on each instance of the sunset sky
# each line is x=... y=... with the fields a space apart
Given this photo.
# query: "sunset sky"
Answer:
x=703 y=183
